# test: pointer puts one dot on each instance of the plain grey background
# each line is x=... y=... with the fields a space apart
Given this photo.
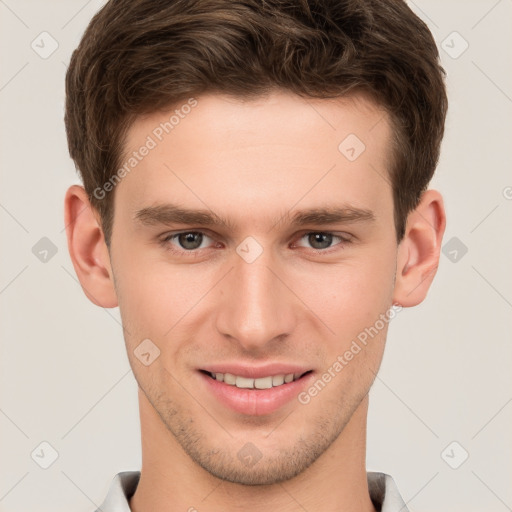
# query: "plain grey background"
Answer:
x=440 y=410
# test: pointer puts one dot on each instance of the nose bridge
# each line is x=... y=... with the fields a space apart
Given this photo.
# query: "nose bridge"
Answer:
x=257 y=307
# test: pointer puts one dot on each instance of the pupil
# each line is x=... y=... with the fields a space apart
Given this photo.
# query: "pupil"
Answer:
x=189 y=240
x=317 y=237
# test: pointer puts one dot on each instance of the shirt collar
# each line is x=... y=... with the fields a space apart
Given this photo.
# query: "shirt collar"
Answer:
x=383 y=492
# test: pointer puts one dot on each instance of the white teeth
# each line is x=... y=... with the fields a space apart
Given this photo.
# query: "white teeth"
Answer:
x=261 y=383
x=242 y=382
x=277 y=380
x=229 y=379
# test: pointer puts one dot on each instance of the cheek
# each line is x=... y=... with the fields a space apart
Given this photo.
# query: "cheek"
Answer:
x=349 y=297
x=156 y=297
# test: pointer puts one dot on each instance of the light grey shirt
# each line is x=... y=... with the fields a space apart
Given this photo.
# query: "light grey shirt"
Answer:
x=383 y=492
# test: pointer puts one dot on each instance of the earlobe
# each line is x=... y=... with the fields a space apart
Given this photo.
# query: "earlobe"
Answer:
x=87 y=248
x=419 y=250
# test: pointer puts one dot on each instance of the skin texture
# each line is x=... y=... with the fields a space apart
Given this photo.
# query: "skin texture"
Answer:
x=255 y=163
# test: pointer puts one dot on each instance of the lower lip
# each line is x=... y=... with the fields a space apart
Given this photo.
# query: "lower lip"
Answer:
x=256 y=402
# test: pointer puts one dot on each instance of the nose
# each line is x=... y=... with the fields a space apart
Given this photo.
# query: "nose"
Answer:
x=256 y=309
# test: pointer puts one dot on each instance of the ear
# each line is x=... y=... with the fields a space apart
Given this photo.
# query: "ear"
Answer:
x=87 y=248
x=419 y=250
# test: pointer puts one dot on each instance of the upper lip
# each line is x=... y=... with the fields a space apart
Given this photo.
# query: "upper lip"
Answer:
x=256 y=372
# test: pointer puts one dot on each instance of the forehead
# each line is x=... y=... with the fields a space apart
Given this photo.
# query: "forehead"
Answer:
x=228 y=153
x=279 y=115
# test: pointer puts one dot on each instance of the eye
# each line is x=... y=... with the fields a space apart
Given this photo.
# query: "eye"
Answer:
x=186 y=241
x=189 y=242
x=321 y=240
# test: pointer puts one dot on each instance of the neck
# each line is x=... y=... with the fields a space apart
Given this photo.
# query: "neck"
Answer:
x=170 y=481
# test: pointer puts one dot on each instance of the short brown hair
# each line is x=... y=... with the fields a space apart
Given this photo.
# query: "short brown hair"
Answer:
x=140 y=56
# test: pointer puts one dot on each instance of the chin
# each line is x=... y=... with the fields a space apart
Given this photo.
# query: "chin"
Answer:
x=263 y=472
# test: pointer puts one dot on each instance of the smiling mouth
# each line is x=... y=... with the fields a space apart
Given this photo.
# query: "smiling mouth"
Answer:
x=271 y=381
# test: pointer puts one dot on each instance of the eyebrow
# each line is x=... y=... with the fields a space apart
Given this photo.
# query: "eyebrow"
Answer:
x=166 y=214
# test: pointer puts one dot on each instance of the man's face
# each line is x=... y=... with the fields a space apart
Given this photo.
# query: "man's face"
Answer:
x=264 y=296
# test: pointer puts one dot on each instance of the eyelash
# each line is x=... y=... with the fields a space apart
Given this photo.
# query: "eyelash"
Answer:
x=344 y=240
